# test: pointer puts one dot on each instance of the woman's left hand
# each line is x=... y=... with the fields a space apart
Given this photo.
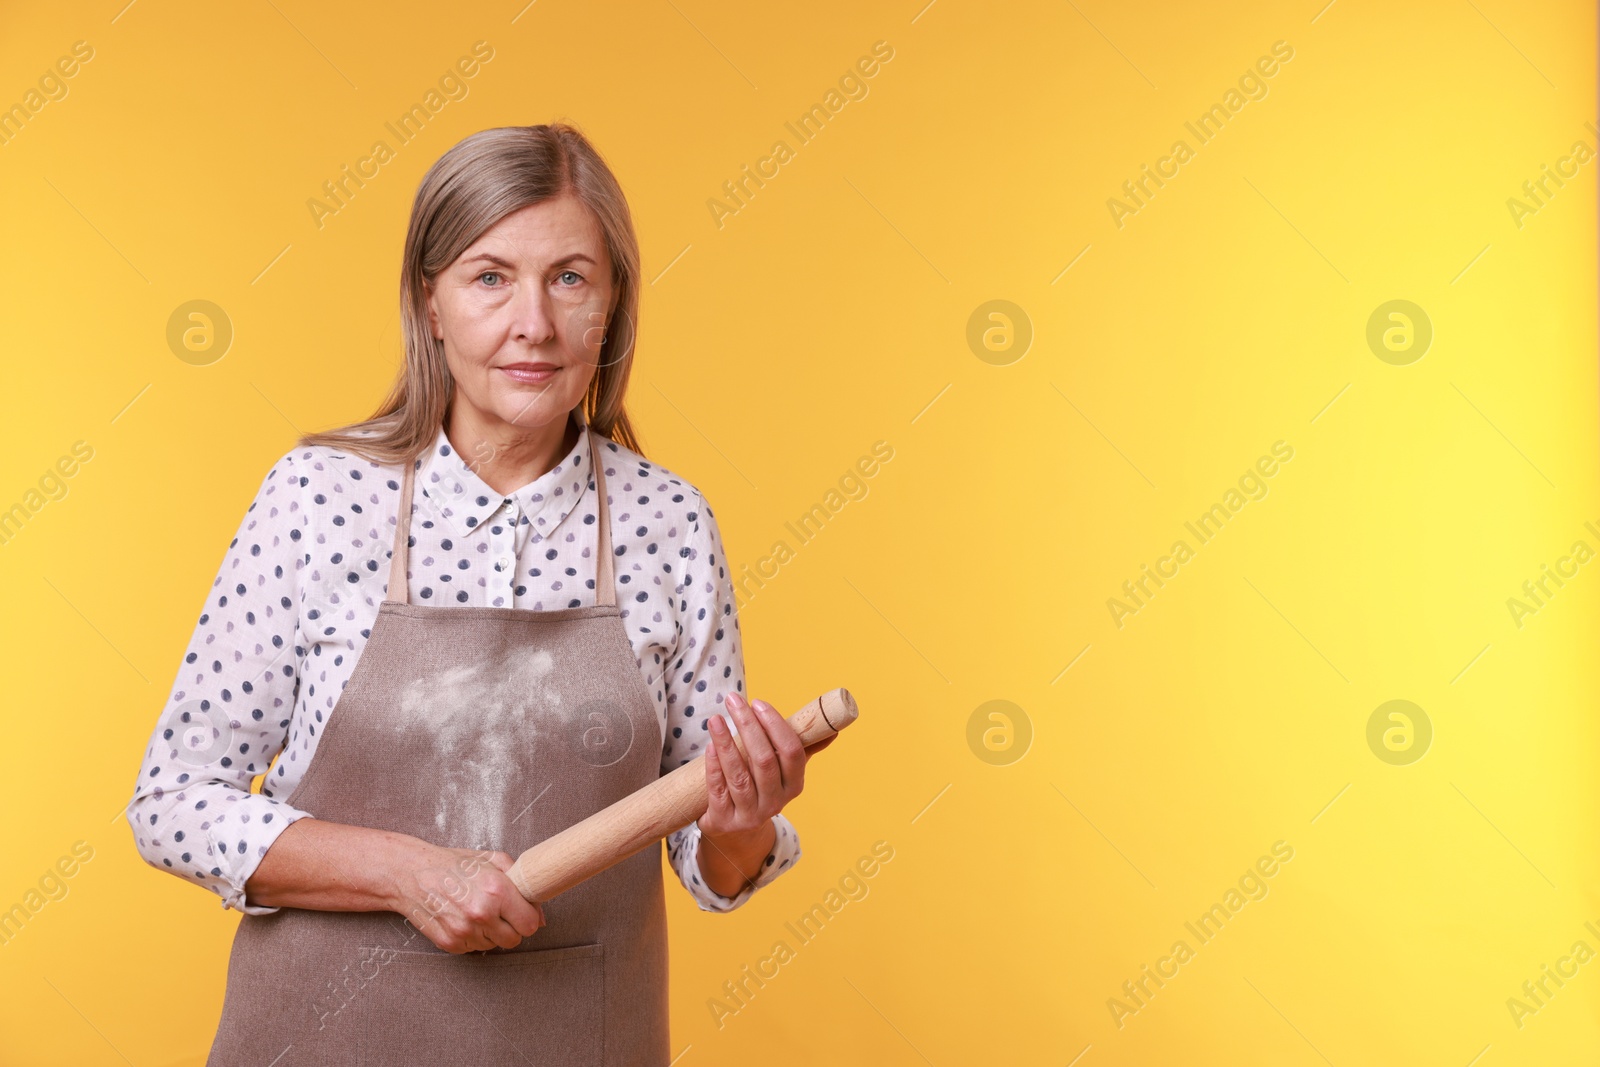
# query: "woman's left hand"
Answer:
x=744 y=792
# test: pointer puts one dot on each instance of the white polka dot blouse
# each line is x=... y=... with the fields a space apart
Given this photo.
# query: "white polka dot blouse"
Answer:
x=298 y=591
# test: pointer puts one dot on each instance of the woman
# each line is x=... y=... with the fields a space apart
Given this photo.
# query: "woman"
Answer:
x=450 y=631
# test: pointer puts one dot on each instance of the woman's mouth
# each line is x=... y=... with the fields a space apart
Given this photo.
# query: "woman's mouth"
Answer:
x=529 y=372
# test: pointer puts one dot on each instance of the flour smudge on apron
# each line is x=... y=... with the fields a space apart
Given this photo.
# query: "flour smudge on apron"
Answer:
x=476 y=719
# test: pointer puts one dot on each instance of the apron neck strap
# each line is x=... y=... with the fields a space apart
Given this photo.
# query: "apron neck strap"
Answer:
x=399 y=591
x=604 y=580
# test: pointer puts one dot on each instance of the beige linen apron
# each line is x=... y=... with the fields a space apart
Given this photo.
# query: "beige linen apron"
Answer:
x=472 y=727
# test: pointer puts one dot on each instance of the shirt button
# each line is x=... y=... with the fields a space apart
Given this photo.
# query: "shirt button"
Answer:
x=504 y=564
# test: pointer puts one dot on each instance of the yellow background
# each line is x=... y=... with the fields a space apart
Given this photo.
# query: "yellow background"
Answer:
x=829 y=313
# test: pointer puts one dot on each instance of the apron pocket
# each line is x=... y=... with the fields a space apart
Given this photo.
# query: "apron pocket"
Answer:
x=522 y=1008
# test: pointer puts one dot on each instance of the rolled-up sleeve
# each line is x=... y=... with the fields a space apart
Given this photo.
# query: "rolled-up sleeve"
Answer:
x=192 y=812
x=708 y=665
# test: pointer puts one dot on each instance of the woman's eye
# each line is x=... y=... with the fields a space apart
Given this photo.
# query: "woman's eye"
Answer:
x=489 y=274
x=574 y=274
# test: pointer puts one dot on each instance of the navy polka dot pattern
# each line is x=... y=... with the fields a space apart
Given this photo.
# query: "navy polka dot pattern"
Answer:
x=299 y=589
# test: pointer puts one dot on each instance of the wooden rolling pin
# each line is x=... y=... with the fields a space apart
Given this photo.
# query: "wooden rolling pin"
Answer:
x=669 y=803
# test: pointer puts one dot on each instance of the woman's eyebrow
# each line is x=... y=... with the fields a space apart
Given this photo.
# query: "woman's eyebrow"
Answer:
x=497 y=261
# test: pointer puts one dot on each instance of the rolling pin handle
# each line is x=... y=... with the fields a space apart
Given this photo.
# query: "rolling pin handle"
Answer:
x=841 y=704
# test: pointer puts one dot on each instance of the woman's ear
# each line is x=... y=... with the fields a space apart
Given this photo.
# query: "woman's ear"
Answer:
x=433 y=312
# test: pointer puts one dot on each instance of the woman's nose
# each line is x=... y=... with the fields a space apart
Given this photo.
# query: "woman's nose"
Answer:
x=532 y=321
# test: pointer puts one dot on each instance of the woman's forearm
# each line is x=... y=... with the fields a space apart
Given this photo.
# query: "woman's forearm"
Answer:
x=460 y=899
x=329 y=866
x=728 y=862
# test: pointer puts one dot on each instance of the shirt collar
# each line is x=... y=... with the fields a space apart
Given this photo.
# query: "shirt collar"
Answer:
x=466 y=502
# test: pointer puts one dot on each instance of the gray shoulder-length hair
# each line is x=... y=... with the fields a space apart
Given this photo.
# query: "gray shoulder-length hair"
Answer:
x=474 y=185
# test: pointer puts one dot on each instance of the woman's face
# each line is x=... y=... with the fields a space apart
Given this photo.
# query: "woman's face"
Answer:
x=522 y=313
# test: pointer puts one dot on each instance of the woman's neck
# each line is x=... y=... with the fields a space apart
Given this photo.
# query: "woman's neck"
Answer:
x=505 y=456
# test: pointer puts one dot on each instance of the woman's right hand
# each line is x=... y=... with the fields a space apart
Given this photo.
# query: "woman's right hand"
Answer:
x=460 y=899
